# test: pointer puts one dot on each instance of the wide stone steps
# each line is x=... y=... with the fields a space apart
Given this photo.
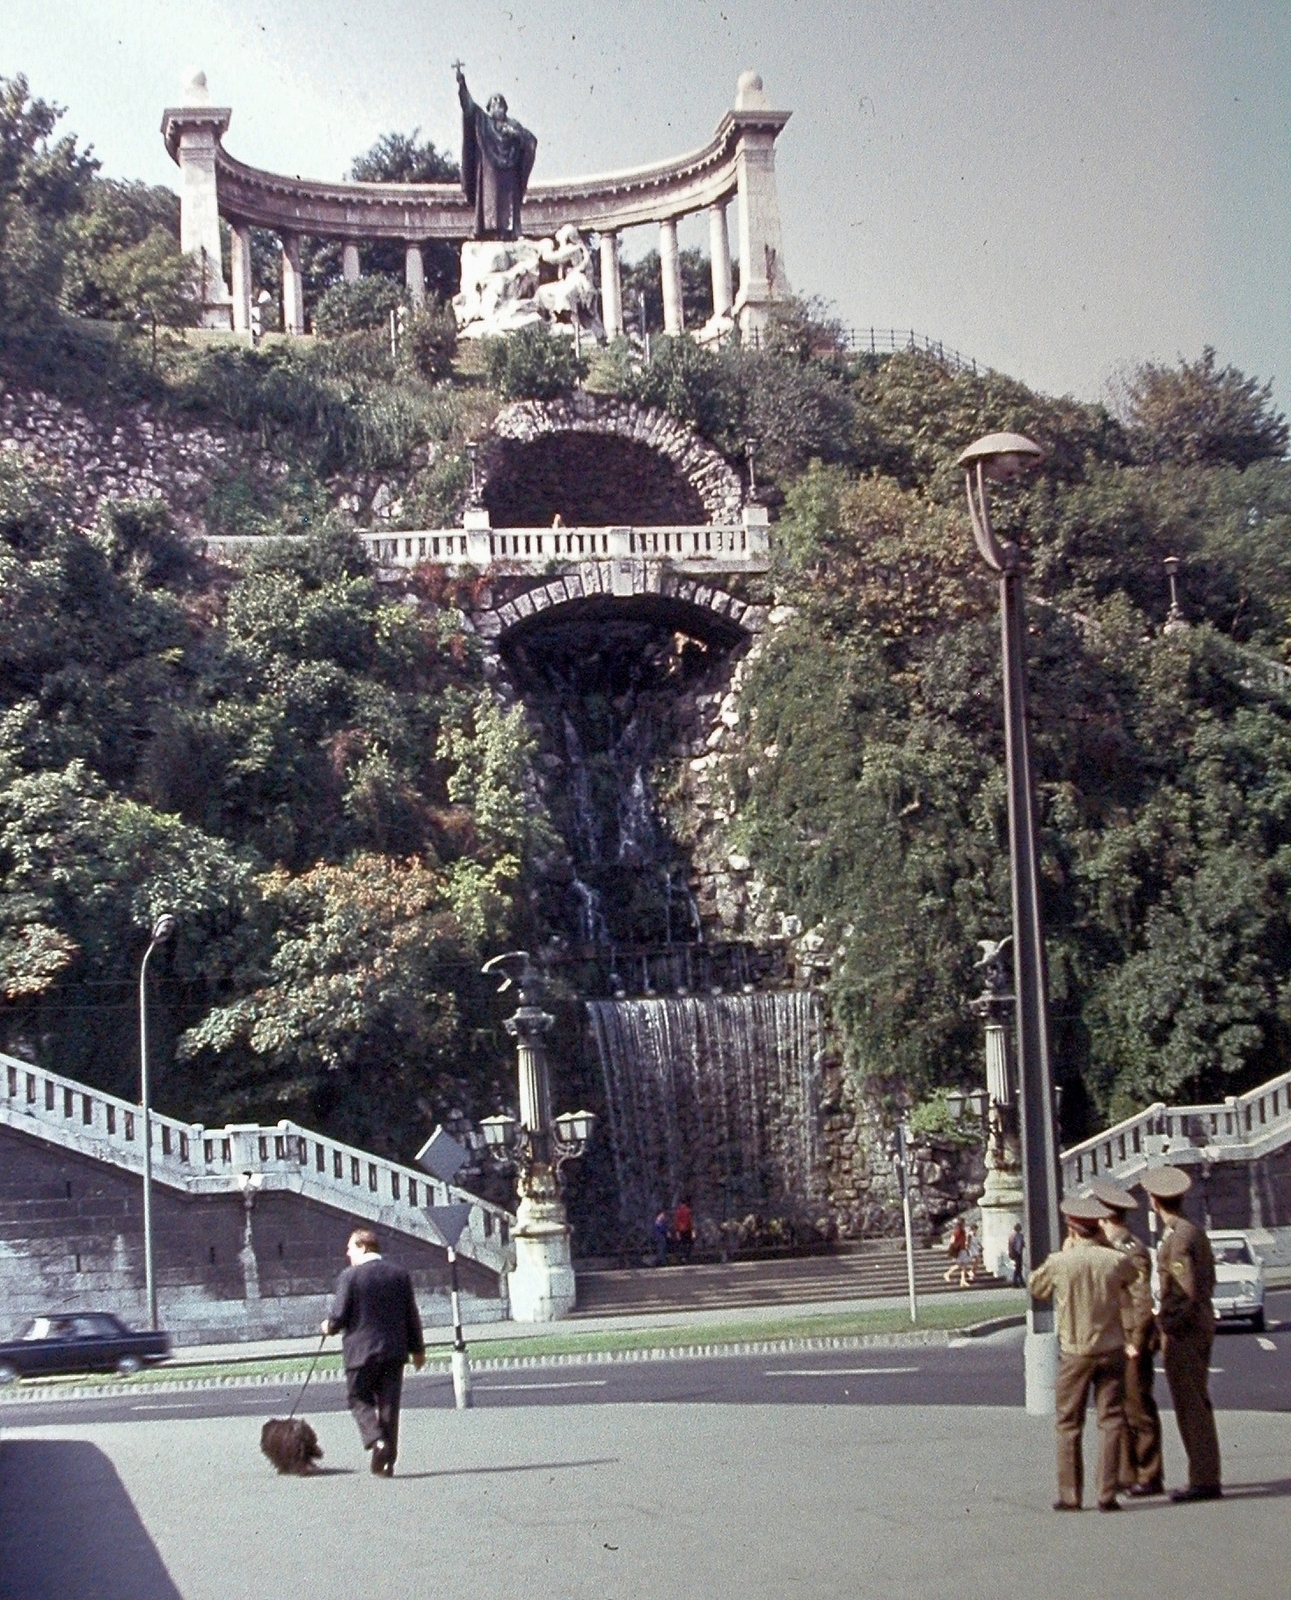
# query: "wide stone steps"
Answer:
x=871 y=1270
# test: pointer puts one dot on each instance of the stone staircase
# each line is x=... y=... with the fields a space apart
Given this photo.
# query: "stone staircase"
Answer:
x=196 y=1160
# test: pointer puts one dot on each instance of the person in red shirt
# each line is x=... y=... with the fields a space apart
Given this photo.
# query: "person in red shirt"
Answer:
x=683 y=1225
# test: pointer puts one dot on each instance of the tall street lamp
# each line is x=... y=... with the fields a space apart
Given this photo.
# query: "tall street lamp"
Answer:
x=1003 y=458
x=162 y=930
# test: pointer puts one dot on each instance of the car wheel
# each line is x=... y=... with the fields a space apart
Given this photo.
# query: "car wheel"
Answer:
x=8 y=1374
x=129 y=1365
x=1257 y=1321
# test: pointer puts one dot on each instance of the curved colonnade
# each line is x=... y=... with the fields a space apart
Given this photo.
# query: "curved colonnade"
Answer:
x=737 y=163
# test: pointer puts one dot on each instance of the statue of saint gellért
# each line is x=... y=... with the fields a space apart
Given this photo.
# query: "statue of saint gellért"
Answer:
x=497 y=158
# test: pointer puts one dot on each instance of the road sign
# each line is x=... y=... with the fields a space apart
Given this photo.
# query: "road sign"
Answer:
x=442 y=1156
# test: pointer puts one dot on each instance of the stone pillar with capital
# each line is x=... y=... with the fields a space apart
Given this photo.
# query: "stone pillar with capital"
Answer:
x=611 y=287
x=414 y=273
x=674 y=320
x=192 y=132
x=719 y=250
x=240 y=234
x=351 y=271
x=1002 y=1195
x=293 y=286
x=763 y=279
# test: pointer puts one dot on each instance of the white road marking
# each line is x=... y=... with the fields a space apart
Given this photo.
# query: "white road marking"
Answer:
x=837 y=1372
x=1214 y=1369
x=1264 y=1344
x=175 y=1405
x=584 y=1383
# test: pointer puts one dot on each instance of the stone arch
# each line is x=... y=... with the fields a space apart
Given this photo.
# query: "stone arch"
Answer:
x=629 y=587
x=528 y=435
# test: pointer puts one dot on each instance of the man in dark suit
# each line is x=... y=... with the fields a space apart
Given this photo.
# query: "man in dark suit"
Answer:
x=376 y=1311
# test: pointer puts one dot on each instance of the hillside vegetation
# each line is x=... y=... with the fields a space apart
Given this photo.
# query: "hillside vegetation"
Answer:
x=316 y=775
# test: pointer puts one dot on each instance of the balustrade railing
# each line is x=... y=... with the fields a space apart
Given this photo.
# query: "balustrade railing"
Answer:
x=204 y=1160
x=536 y=548
x=1224 y=1130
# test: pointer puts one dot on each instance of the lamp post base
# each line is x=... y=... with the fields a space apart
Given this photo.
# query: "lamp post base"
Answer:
x=1001 y=1207
x=541 y=1284
x=1040 y=1355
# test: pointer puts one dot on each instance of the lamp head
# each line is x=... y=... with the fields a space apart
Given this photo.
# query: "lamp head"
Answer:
x=955 y=1104
x=164 y=928
x=499 y=1131
x=1004 y=457
x=575 y=1127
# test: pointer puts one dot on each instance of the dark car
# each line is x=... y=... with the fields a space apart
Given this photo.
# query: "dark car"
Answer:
x=89 y=1341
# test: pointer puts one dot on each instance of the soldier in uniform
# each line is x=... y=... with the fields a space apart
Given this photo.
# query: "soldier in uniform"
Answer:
x=1141 y=1472
x=1094 y=1290
x=1186 y=1282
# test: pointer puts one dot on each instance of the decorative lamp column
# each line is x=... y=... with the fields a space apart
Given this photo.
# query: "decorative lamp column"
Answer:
x=1002 y=458
x=293 y=286
x=1002 y=1199
x=414 y=274
x=192 y=132
x=674 y=320
x=542 y=1282
x=719 y=251
x=240 y=233
x=611 y=287
x=351 y=271
x=762 y=275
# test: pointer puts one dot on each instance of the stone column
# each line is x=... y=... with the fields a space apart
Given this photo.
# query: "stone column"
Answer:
x=670 y=270
x=350 y=269
x=719 y=249
x=414 y=273
x=293 y=286
x=762 y=274
x=611 y=287
x=542 y=1284
x=192 y=132
x=241 y=265
x=1002 y=1198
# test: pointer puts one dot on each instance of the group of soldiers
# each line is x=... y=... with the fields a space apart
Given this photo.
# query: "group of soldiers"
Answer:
x=1101 y=1285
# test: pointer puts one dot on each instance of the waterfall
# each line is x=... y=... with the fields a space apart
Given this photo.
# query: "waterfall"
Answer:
x=713 y=1099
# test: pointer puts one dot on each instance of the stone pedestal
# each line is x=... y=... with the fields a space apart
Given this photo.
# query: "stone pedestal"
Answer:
x=193 y=132
x=1001 y=1207
x=542 y=1283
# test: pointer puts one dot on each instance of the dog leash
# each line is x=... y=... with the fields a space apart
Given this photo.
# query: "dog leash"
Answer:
x=308 y=1376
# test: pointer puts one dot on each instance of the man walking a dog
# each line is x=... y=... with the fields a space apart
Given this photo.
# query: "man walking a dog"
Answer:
x=375 y=1310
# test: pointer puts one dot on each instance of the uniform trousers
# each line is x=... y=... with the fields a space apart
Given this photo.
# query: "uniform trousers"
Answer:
x=1187 y=1362
x=373 y=1392
x=1077 y=1375
x=1141 y=1457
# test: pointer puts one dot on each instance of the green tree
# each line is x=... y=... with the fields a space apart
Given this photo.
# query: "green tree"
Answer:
x=1202 y=414
x=533 y=365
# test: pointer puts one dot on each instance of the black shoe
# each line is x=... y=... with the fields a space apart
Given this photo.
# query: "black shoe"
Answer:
x=1197 y=1492
x=381 y=1464
x=1142 y=1491
x=1109 y=1505
x=1065 y=1505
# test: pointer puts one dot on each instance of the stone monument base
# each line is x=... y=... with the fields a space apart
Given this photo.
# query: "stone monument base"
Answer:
x=1001 y=1207
x=541 y=1285
x=511 y=284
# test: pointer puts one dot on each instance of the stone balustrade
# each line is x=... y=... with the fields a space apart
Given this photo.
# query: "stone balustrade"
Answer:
x=1240 y=1128
x=703 y=547
x=200 y=1160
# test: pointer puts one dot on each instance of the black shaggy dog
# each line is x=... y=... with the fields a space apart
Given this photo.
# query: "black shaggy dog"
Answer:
x=291 y=1444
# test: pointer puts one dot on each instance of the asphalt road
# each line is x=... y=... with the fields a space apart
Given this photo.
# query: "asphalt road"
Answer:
x=1249 y=1372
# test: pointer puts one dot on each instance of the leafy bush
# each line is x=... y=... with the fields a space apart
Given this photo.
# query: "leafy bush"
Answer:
x=351 y=307
x=429 y=342
x=533 y=365
x=693 y=384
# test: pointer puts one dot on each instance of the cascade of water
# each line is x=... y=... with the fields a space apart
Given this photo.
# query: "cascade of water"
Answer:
x=713 y=1099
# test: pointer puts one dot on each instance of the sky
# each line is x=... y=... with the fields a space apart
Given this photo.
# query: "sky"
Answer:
x=1058 y=188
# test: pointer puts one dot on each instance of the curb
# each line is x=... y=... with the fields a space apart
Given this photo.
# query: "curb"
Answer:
x=440 y=1367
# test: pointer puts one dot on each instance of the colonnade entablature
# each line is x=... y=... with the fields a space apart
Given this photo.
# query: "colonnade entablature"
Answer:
x=738 y=163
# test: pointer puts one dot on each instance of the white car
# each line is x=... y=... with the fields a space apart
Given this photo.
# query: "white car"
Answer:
x=1239 y=1279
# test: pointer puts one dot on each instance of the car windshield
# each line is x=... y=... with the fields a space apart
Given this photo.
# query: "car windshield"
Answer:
x=1232 y=1253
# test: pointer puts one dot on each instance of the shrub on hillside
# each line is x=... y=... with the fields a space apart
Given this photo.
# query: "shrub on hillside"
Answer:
x=533 y=365
x=350 y=307
x=429 y=342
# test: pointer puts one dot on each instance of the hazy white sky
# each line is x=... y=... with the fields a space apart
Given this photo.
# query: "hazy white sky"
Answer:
x=1057 y=187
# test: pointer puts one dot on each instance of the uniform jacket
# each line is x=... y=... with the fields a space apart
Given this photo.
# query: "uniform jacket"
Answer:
x=1186 y=1278
x=1092 y=1288
x=376 y=1311
x=1136 y=1318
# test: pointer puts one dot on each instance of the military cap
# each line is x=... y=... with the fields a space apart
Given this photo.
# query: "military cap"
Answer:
x=1084 y=1208
x=1111 y=1194
x=1166 y=1183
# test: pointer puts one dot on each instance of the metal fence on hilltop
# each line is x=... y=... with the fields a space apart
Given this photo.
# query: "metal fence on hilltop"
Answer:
x=876 y=341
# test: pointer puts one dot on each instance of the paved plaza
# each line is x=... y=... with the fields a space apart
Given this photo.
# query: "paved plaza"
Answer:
x=619 y=1502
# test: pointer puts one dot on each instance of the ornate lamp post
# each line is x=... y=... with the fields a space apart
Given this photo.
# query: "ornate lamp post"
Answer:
x=1003 y=457
x=542 y=1283
x=1002 y=1193
x=162 y=930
